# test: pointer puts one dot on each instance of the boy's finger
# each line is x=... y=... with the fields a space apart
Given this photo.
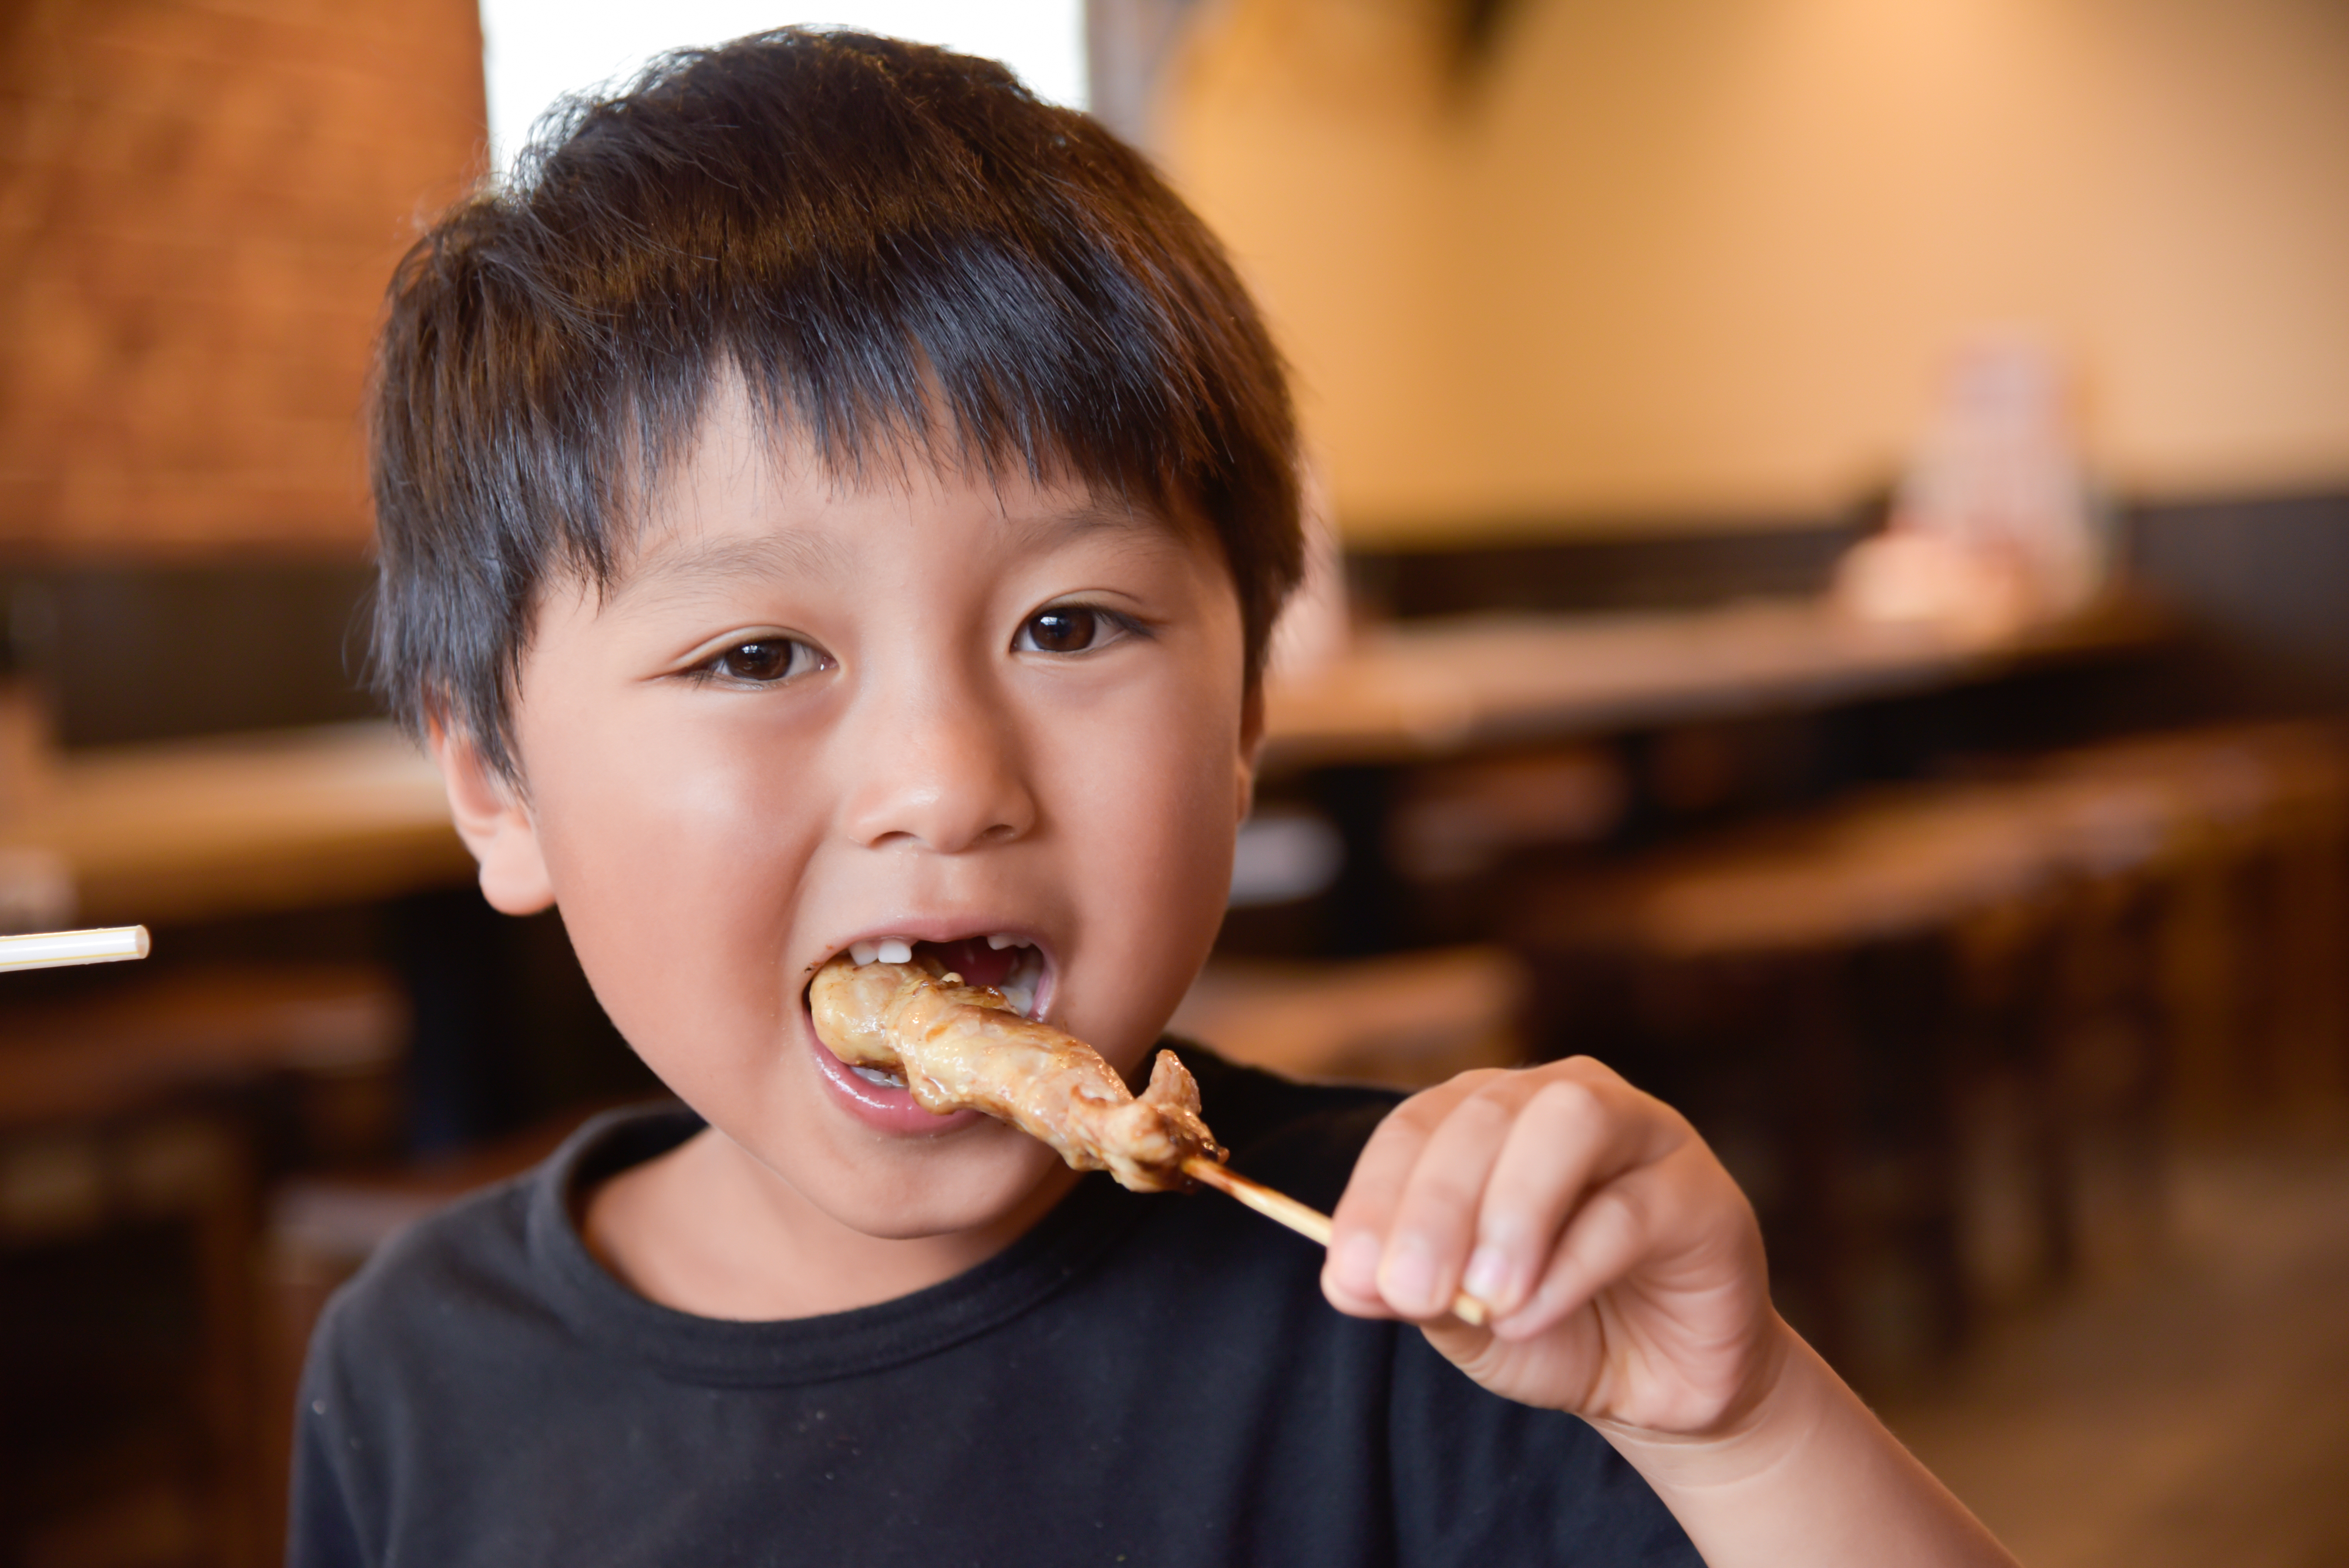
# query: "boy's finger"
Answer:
x=1434 y=1224
x=1575 y=1131
x=1349 y=1275
x=1608 y=1236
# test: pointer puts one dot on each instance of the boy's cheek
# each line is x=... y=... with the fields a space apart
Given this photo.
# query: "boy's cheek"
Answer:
x=677 y=892
x=1154 y=880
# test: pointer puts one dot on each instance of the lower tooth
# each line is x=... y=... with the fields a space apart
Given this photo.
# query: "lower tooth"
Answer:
x=874 y=1075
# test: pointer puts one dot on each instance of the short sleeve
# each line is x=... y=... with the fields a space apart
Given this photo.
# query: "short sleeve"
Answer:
x=1479 y=1479
x=320 y=1529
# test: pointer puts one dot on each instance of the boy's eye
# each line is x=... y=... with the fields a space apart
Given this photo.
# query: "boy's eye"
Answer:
x=766 y=660
x=1071 y=629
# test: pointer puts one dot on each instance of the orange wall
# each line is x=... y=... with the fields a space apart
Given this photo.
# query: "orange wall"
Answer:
x=199 y=206
x=1673 y=258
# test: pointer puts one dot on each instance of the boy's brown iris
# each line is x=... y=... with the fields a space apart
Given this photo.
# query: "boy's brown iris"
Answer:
x=767 y=659
x=1063 y=630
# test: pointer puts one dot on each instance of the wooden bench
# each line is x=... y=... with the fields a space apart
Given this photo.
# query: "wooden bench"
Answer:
x=136 y=1121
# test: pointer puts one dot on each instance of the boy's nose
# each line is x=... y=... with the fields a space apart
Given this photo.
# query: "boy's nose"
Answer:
x=942 y=770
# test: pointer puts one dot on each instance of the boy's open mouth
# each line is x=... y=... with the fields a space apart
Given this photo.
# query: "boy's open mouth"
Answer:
x=1011 y=964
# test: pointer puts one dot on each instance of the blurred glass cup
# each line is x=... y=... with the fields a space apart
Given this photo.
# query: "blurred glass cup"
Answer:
x=1995 y=525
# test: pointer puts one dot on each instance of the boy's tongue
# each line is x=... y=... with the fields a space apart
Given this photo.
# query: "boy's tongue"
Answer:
x=972 y=958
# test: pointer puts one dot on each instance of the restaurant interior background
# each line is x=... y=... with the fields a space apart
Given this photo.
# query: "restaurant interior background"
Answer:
x=1835 y=599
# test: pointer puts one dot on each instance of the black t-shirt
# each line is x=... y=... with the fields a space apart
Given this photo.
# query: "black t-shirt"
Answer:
x=1149 y=1380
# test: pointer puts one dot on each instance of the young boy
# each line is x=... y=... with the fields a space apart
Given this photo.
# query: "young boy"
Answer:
x=835 y=499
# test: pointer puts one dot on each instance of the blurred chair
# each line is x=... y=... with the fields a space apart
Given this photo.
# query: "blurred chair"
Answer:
x=1408 y=1020
x=1812 y=991
x=2254 y=936
x=136 y=1120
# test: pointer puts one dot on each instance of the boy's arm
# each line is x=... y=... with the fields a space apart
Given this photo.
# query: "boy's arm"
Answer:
x=1813 y=1477
x=320 y=1530
x=1626 y=1275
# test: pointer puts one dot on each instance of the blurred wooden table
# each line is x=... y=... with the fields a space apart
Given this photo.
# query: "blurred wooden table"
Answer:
x=341 y=813
x=1433 y=688
x=244 y=825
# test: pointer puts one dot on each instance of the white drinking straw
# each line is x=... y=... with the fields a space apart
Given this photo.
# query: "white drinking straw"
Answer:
x=47 y=949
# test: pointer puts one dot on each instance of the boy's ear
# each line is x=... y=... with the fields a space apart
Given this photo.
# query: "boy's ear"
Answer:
x=494 y=823
x=1251 y=744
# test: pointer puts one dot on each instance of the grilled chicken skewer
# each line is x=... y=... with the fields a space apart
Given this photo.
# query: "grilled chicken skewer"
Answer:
x=962 y=1046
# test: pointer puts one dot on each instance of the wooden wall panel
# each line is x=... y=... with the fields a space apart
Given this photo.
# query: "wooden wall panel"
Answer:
x=200 y=202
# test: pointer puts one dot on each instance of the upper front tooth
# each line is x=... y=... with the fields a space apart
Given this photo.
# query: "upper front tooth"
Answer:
x=862 y=953
x=894 y=949
x=999 y=940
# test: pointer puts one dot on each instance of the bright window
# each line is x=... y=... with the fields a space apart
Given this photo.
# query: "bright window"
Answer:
x=537 y=50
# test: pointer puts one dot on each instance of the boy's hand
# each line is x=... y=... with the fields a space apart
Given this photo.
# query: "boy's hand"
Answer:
x=1622 y=1265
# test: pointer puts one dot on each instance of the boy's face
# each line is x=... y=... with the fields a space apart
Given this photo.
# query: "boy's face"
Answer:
x=807 y=716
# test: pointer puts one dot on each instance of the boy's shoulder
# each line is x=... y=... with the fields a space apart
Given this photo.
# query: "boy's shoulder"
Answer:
x=492 y=1261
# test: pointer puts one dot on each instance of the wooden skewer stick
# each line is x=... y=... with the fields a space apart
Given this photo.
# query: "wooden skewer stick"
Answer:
x=49 y=949
x=1309 y=1224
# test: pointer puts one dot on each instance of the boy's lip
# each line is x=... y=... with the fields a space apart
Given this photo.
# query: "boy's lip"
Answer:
x=893 y=1110
x=884 y=1110
x=943 y=929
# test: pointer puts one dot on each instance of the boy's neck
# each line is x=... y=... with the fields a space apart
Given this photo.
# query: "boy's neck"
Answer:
x=705 y=1228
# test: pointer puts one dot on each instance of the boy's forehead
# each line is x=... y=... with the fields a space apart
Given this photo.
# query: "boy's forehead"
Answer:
x=755 y=496
x=814 y=532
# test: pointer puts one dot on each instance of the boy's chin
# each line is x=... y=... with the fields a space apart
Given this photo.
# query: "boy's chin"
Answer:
x=1005 y=1182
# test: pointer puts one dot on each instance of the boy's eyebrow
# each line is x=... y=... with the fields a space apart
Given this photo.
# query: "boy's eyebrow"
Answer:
x=1052 y=527
x=668 y=574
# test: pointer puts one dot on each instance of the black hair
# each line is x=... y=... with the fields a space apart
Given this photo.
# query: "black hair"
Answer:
x=881 y=239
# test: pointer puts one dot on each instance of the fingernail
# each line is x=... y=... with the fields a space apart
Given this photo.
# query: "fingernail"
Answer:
x=1407 y=1278
x=1488 y=1275
x=1358 y=1263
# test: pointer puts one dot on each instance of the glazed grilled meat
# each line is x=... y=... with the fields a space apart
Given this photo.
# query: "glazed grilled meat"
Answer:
x=964 y=1047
